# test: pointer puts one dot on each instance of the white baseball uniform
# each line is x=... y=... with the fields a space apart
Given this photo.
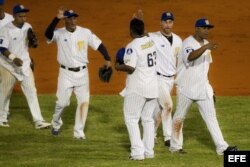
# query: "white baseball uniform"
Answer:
x=193 y=86
x=5 y=106
x=140 y=96
x=15 y=40
x=166 y=70
x=73 y=54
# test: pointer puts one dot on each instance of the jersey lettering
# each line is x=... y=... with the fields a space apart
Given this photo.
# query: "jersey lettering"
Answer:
x=151 y=59
x=1 y=41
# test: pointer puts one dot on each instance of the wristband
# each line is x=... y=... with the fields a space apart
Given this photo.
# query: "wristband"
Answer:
x=12 y=57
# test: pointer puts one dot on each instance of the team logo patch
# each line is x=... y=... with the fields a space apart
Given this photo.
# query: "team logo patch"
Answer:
x=129 y=51
x=189 y=50
x=168 y=14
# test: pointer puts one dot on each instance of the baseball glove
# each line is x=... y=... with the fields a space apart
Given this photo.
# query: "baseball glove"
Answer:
x=119 y=55
x=32 y=39
x=105 y=73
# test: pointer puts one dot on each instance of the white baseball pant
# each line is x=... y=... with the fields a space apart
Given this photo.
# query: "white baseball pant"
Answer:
x=164 y=111
x=208 y=113
x=136 y=107
x=64 y=92
x=29 y=90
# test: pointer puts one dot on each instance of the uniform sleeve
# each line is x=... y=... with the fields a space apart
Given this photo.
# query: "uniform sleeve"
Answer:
x=93 y=41
x=4 y=40
x=186 y=50
x=130 y=57
x=54 y=38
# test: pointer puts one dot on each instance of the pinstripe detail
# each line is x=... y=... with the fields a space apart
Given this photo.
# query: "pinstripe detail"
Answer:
x=207 y=111
x=192 y=77
x=29 y=90
x=136 y=107
x=166 y=65
x=73 y=52
x=7 y=82
x=4 y=79
x=15 y=41
x=165 y=86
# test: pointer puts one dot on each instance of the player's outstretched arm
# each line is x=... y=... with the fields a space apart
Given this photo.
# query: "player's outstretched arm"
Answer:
x=124 y=68
x=102 y=49
x=49 y=33
x=197 y=53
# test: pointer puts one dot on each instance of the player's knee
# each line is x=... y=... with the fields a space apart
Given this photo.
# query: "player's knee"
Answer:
x=84 y=105
x=177 y=125
x=62 y=103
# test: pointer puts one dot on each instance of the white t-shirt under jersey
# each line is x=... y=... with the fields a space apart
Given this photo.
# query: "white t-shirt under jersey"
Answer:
x=192 y=76
x=141 y=54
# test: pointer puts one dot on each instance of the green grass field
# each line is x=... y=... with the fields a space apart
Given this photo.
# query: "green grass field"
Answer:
x=107 y=141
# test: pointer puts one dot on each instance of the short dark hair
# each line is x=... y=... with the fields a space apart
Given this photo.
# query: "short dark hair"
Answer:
x=137 y=26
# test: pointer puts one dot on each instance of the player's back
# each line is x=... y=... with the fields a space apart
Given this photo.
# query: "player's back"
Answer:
x=141 y=54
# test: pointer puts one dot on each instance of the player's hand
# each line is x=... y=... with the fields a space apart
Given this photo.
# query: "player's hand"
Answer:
x=60 y=13
x=18 y=62
x=117 y=66
x=107 y=64
x=211 y=45
x=138 y=15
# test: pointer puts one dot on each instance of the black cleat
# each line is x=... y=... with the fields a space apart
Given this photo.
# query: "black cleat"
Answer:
x=55 y=132
x=231 y=148
x=167 y=143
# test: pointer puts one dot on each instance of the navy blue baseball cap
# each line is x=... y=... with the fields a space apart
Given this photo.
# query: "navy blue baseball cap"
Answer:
x=19 y=9
x=1 y=2
x=203 y=23
x=167 y=16
x=69 y=13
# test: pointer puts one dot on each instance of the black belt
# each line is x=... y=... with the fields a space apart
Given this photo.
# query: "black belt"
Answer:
x=169 y=76
x=75 y=69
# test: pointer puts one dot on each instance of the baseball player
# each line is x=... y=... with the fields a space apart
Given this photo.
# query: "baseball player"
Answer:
x=72 y=43
x=193 y=86
x=16 y=66
x=4 y=19
x=141 y=92
x=167 y=45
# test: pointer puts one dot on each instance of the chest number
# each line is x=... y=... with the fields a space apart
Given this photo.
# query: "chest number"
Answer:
x=151 y=59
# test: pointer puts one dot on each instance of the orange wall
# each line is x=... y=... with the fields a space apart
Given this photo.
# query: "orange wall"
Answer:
x=109 y=19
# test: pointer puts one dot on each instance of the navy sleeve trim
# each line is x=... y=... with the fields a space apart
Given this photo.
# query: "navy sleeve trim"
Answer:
x=2 y=49
x=49 y=33
x=102 y=49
